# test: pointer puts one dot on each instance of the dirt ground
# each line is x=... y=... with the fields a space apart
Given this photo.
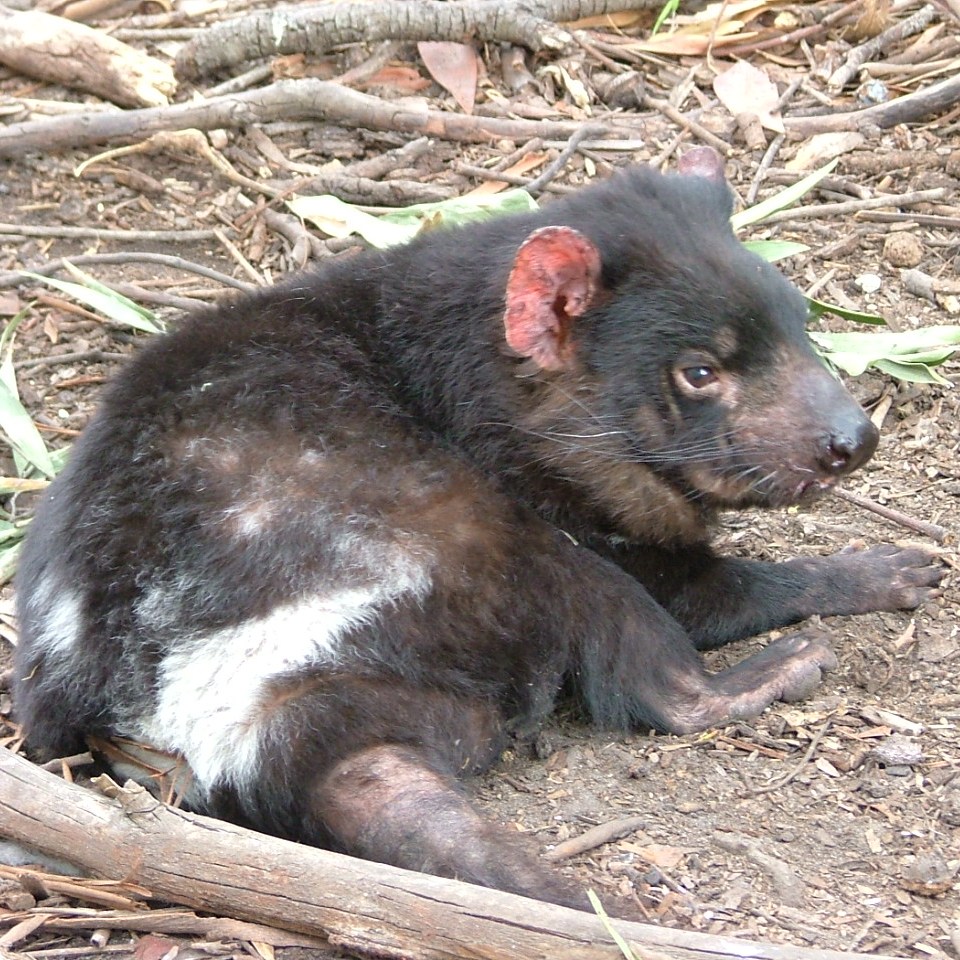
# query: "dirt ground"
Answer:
x=832 y=823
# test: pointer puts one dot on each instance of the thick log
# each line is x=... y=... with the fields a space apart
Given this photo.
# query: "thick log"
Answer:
x=51 y=48
x=366 y=907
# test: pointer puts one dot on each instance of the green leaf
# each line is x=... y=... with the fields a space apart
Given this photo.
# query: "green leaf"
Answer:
x=908 y=354
x=819 y=307
x=910 y=372
x=339 y=219
x=105 y=301
x=622 y=944
x=16 y=424
x=781 y=200
x=666 y=11
x=774 y=250
x=9 y=555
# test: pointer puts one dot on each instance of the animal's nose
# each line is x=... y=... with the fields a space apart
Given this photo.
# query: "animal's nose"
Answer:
x=849 y=445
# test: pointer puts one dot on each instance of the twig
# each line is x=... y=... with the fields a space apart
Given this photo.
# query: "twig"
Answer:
x=173 y=921
x=243 y=262
x=107 y=233
x=595 y=837
x=932 y=530
x=765 y=163
x=936 y=98
x=700 y=132
x=867 y=51
x=795 y=772
x=795 y=36
x=855 y=206
x=89 y=356
x=15 y=277
x=319 y=27
x=922 y=219
x=482 y=173
x=553 y=168
x=287 y=100
x=77 y=760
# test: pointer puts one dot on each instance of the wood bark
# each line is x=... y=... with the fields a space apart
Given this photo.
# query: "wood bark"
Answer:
x=316 y=29
x=366 y=907
x=51 y=48
x=306 y=99
x=937 y=98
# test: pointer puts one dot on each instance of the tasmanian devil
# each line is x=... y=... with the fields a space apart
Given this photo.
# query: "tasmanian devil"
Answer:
x=332 y=543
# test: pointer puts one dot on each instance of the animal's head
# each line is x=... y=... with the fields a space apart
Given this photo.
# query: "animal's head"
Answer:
x=670 y=357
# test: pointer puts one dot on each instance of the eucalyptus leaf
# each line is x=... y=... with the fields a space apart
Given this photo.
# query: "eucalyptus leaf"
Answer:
x=15 y=422
x=911 y=372
x=339 y=219
x=9 y=555
x=774 y=250
x=818 y=308
x=906 y=354
x=780 y=200
x=105 y=301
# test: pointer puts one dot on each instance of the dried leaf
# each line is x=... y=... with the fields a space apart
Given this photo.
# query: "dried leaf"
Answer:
x=659 y=854
x=716 y=25
x=823 y=147
x=745 y=88
x=398 y=77
x=621 y=20
x=523 y=166
x=454 y=67
x=152 y=947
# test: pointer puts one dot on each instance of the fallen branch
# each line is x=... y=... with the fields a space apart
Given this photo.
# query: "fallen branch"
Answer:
x=315 y=29
x=171 y=921
x=845 y=208
x=307 y=99
x=51 y=48
x=595 y=837
x=936 y=98
x=364 y=907
x=876 y=45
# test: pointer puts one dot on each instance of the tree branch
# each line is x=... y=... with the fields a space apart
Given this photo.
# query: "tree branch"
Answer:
x=937 y=98
x=307 y=99
x=366 y=907
x=315 y=29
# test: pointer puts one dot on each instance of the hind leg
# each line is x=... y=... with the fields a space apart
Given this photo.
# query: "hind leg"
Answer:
x=388 y=803
x=370 y=767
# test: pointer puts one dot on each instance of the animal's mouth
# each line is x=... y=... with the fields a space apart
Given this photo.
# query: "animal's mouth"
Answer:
x=811 y=488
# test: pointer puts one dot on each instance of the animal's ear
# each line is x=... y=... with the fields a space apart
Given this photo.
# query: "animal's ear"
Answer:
x=702 y=162
x=555 y=278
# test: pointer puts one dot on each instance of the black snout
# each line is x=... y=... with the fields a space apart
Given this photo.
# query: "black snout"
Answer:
x=850 y=444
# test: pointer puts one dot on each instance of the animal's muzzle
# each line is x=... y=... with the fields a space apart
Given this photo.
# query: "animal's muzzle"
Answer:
x=849 y=445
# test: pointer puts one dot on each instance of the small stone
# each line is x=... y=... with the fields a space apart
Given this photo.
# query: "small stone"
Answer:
x=928 y=875
x=868 y=282
x=898 y=751
x=902 y=250
x=14 y=897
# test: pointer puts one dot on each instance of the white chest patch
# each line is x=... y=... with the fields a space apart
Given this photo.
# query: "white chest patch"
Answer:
x=212 y=687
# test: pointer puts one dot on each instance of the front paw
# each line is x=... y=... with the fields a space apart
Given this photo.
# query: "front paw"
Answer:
x=890 y=577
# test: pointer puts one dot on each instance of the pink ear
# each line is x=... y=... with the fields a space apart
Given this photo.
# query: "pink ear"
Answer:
x=702 y=162
x=554 y=280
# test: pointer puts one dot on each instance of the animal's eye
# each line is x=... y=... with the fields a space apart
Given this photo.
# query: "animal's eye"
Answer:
x=699 y=376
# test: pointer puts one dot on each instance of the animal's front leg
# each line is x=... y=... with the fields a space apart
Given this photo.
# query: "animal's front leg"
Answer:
x=635 y=665
x=719 y=599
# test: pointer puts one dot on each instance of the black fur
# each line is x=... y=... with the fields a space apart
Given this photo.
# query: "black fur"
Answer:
x=433 y=532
